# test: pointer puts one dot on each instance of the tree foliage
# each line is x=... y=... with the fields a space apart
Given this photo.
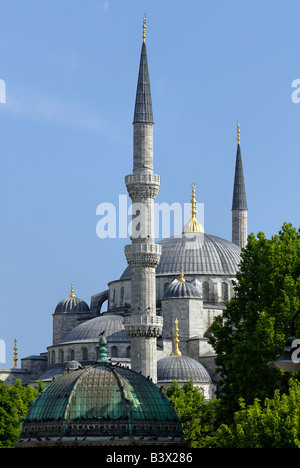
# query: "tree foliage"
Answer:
x=253 y=328
x=198 y=418
x=14 y=403
x=273 y=424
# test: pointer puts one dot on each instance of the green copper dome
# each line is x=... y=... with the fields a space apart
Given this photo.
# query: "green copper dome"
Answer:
x=103 y=404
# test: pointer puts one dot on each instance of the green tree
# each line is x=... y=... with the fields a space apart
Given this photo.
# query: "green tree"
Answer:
x=253 y=328
x=198 y=418
x=273 y=424
x=14 y=403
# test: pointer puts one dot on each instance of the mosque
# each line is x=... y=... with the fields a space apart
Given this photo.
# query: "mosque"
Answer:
x=160 y=310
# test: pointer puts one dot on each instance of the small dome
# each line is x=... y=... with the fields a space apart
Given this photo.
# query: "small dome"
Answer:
x=73 y=365
x=181 y=289
x=98 y=404
x=181 y=369
x=71 y=305
x=112 y=325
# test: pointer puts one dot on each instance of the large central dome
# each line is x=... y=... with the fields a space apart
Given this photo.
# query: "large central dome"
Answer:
x=197 y=254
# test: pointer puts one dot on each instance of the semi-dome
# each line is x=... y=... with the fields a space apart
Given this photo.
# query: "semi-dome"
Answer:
x=181 y=369
x=197 y=254
x=111 y=325
x=181 y=289
x=71 y=304
x=99 y=405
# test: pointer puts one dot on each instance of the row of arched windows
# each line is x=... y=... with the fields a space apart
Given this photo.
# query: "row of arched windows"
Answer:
x=70 y=354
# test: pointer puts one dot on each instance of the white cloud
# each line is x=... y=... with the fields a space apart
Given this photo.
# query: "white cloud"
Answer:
x=102 y=5
x=105 y=6
x=29 y=104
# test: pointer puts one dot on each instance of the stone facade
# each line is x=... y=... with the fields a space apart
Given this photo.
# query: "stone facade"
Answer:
x=239 y=227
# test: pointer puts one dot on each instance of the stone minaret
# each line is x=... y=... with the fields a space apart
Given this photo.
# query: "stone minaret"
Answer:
x=239 y=201
x=143 y=255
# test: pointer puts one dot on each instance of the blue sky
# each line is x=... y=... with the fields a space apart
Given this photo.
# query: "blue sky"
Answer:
x=70 y=69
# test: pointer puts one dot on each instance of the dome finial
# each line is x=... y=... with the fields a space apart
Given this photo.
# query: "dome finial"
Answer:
x=193 y=225
x=15 y=359
x=238 y=133
x=72 y=291
x=176 y=340
x=182 y=278
x=144 y=28
x=102 y=352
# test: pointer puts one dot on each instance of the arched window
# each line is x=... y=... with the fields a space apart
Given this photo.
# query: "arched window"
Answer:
x=205 y=291
x=114 y=298
x=60 y=356
x=53 y=357
x=84 y=353
x=128 y=351
x=122 y=296
x=114 y=351
x=71 y=355
x=225 y=289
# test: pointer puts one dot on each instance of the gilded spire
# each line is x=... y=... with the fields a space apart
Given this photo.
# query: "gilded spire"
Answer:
x=193 y=225
x=144 y=29
x=238 y=133
x=15 y=359
x=177 y=351
x=182 y=279
x=72 y=291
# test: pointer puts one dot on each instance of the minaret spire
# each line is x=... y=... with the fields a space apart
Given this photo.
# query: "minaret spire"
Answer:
x=143 y=255
x=239 y=200
x=143 y=103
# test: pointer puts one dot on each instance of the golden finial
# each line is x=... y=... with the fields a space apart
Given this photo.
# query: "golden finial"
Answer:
x=193 y=225
x=144 y=28
x=15 y=359
x=182 y=279
x=238 y=133
x=72 y=291
x=176 y=340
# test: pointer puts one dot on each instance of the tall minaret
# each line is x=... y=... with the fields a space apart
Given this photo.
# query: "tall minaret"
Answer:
x=143 y=255
x=239 y=201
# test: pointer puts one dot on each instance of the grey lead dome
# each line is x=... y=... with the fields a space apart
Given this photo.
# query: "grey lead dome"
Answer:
x=197 y=254
x=181 y=369
x=112 y=325
x=182 y=290
x=71 y=305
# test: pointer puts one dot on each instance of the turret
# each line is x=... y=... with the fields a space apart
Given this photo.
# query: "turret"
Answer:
x=143 y=255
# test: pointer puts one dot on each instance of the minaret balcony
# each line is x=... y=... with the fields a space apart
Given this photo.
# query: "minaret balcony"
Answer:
x=143 y=255
x=142 y=186
x=143 y=325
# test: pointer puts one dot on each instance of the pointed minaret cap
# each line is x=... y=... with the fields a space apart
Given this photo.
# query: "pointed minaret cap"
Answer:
x=239 y=201
x=143 y=103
